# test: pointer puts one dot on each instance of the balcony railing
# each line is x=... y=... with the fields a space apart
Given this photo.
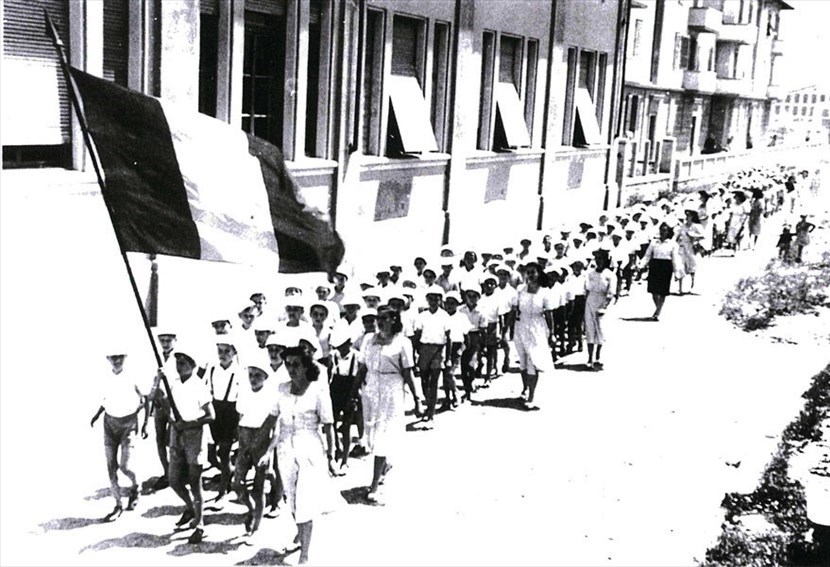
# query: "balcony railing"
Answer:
x=705 y=19
x=745 y=34
x=733 y=87
x=700 y=81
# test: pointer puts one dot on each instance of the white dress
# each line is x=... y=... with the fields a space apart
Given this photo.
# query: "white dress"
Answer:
x=531 y=330
x=301 y=450
x=383 y=392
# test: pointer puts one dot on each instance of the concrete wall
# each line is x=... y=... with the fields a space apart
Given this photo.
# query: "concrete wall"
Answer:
x=638 y=67
x=675 y=20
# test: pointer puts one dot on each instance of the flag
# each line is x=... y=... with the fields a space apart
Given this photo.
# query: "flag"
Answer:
x=181 y=183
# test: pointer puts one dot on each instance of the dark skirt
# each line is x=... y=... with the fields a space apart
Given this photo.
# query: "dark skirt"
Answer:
x=659 y=276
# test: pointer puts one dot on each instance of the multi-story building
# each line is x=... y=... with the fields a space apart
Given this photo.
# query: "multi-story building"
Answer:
x=411 y=123
x=701 y=74
x=803 y=113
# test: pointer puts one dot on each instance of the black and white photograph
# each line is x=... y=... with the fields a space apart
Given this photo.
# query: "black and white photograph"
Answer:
x=329 y=282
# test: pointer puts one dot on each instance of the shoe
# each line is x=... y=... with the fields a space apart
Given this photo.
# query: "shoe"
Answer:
x=115 y=514
x=598 y=365
x=186 y=517
x=358 y=451
x=428 y=424
x=198 y=536
x=133 y=501
x=249 y=524
x=161 y=483
x=531 y=406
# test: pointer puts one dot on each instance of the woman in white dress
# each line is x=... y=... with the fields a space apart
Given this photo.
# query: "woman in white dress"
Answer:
x=532 y=334
x=689 y=236
x=305 y=418
x=600 y=288
x=387 y=363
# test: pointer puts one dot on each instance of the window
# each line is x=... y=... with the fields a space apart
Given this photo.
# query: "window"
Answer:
x=633 y=113
x=530 y=82
x=789 y=97
x=316 y=71
x=263 y=76
x=825 y=113
x=507 y=96
x=823 y=98
x=372 y=80
x=682 y=46
x=786 y=108
x=208 y=62
x=711 y=66
x=797 y=97
x=116 y=41
x=693 y=62
x=404 y=84
x=811 y=110
x=410 y=127
x=638 y=28
x=440 y=66
x=777 y=110
x=795 y=111
x=584 y=98
x=813 y=99
x=803 y=111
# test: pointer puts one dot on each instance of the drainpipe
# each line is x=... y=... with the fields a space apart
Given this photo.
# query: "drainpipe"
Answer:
x=546 y=114
x=618 y=81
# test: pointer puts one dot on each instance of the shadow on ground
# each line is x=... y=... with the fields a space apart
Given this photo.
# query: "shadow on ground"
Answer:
x=575 y=367
x=509 y=403
x=268 y=557
x=159 y=511
x=639 y=319
x=69 y=523
x=357 y=496
x=134 y=539
x=207 y=546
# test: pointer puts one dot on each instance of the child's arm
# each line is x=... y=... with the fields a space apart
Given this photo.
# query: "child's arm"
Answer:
x=96 y=416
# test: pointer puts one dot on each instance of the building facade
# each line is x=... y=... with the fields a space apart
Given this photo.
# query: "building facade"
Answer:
x=701 y=74
x=803 y=113
x=411 y=123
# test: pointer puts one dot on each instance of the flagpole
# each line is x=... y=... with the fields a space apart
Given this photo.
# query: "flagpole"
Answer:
x=73 y=95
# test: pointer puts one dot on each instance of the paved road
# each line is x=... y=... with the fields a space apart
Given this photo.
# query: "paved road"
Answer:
x=620 y=467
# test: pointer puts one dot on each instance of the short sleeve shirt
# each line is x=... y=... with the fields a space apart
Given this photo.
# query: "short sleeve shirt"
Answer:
x=255 y=407
x=190 y=396
x=122 y=394
x=433 y=326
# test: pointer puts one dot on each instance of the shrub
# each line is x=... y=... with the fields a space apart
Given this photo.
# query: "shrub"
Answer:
x=782 y=289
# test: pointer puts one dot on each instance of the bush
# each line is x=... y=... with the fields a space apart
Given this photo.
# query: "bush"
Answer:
x=781 y=290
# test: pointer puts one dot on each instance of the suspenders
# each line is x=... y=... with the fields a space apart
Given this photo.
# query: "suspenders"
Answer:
x=230 y=383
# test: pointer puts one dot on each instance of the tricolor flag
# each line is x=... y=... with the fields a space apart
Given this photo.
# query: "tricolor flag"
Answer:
x=184 y=184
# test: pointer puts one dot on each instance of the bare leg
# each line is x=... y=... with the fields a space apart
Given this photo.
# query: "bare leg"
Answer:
x=377 y=473
x=599 y=350
x=194 y=478
x=176 y=474
x=304 y=533
x=112 y=472
x=659 y=301
x=590 y=354
x=532 y=380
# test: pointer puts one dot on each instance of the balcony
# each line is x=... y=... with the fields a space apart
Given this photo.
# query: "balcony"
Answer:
x=700 y=81
x=777 y=47
x=745 y=34
x=776 y=92
x=705 y=20
x=733 y=87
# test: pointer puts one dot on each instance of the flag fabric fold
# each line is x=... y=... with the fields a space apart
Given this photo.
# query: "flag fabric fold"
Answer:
x=184 y=184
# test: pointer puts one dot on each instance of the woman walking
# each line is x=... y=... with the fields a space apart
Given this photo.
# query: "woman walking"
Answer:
x=303 y=406
x=689 y=235
x=756 y=212
x=387 y=359
x=662 y=258
x=600 y=287
x=737 y=218
x=534 y=321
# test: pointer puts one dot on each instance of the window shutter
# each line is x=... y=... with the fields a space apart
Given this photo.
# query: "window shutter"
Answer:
x=405 y=46
x=684 y=52
x=677 y=47
x=116 y=41
x=35 y=97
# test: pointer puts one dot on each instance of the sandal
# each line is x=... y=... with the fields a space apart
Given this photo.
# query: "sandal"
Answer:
x=198 y=536
x=133 y=501
x=186 y=517
x=115 y=514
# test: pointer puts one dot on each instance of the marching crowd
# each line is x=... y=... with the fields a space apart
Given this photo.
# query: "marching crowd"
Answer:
x=275 y=403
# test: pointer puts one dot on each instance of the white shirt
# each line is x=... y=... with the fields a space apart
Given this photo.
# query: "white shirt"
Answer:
x=224 y=383
x=489 y=306
x=433 y=326
x=122 y=394
x=459 y=326
x=190 y=396
x=254 y=407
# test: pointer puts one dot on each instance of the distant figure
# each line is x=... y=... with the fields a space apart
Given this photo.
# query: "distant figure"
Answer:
x=774 y=140
x=709 y=146
x=802 y=236
x=784 y=242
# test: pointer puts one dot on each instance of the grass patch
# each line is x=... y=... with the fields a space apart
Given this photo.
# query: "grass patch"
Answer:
x=782 y=289
x=785 y=539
